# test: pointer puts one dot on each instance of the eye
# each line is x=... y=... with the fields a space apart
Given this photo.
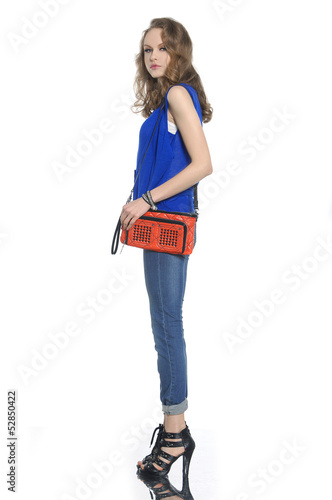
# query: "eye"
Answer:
x=149 y=50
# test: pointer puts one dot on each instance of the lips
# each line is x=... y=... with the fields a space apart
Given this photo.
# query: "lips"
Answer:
x=155 y=66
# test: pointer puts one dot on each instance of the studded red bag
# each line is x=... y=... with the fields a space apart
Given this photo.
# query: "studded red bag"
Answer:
x=159 y=230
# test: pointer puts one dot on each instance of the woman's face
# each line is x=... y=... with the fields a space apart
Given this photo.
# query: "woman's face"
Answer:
x=156 y=57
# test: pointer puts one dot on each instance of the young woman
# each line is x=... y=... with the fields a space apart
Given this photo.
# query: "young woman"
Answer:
x=177 y=159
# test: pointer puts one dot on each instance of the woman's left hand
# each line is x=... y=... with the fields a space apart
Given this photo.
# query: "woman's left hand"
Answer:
x=132 y=211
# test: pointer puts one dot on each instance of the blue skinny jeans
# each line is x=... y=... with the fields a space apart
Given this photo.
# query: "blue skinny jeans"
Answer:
x=165 y=279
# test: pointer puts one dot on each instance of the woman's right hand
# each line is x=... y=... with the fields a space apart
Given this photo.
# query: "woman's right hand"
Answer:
x=132 y=211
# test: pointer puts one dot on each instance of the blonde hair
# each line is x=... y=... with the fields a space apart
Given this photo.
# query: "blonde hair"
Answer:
x=150 y=91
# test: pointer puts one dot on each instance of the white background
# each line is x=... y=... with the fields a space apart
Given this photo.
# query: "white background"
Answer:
x=97 y=399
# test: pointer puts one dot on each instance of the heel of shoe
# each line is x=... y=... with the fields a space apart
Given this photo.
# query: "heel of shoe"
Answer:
x=186 y=462
x=185 y=473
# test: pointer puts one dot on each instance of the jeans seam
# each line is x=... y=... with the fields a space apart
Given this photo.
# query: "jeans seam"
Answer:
x=164 y=327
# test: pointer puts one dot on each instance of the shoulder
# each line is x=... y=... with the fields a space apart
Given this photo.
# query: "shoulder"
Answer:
x=178 y=92
x=179 y=96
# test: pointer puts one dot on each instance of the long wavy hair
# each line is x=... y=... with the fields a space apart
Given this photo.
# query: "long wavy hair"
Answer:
x=150 y=91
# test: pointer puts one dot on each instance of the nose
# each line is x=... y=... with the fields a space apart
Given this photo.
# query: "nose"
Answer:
x=153 y=55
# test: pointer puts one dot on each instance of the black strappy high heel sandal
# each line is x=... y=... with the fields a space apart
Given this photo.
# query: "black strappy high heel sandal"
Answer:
x=185 y=440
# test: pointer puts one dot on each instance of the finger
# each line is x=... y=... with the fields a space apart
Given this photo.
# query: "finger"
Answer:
x=124 y=218
x=126 y=223
x=132 y=222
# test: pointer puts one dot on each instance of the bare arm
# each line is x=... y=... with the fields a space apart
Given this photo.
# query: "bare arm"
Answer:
x=186 y=118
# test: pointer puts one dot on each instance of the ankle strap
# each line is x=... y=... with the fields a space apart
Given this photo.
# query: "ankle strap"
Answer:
x=171 y=444
x=172 y=435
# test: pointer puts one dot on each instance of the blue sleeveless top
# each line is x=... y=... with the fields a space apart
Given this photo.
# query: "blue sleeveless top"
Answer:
x=166 y=157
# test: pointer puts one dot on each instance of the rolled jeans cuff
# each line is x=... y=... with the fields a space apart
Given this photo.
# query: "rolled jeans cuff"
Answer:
x=175 y=409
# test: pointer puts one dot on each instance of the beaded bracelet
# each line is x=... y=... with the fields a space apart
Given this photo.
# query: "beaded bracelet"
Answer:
x=148 y=198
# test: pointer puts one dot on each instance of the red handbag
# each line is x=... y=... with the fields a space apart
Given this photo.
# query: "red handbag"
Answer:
x=159 y=230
